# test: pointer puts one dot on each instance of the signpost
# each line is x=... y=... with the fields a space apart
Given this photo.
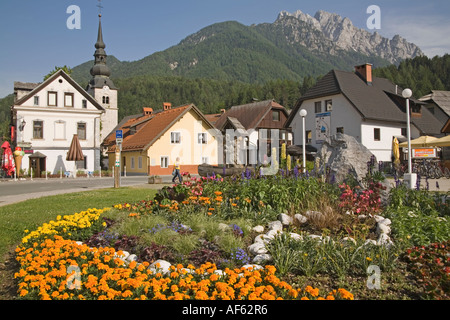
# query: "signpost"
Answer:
x=119 y=140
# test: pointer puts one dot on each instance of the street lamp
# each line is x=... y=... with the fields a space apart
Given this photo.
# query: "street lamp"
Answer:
x=303 y=114
x=410 y=177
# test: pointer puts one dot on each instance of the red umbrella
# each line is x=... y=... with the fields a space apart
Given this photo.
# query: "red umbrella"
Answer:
x=8 y=160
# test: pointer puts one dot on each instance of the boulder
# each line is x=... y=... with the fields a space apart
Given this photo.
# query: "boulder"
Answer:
x=343 y=155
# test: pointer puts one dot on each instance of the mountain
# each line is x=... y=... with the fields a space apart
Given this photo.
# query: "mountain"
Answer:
x=294 y=46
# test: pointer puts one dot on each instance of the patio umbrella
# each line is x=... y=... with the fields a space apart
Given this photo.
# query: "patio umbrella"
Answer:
x=442 y=142
x=8 y=160
x=396 y=151
x=75 y=152
x=423 y=141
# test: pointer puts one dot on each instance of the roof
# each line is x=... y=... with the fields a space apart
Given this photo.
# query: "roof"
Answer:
x=58 y=73
x=441 y=98
x=149 y=127
x=378 y=101
x=213 y=117
x=427 y=124
x=249 y=115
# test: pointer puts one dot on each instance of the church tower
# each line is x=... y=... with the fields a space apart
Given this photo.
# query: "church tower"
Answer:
x=102 y=88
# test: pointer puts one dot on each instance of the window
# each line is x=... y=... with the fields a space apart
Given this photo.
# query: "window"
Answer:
x=328 y=105
x=376 y=134
x=340 y=130
x=205 y=160
x=52 y=98
x=164 y=162
x=276 y=115
x=139 y=162
x=36 y=100
x=60 y=130
x=38 y=129
x=175 y=137
x=404 y=132
x=84 y=104
x=105 y=99
x=202 y=138
x=81 y=130
x=308 y=136
x=132 y=162
x=68 y=99
x=318 y=107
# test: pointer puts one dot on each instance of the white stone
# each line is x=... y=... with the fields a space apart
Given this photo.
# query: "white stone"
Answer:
x=383 y=229
x=252 y=267
x=348 y=239
x=271 y=234
x=79 y=243
x=263 y=238
x=369 y=241
x=257 y=248
x=124 y=255
x=258 y=229
x=132 y=257
x=384 y=240
x=285 y=219
x=219 y=272
x=300 y=218
x=378 y=218
x=315 y=236
x=276 y=225
x=386 y=222
x=163 y=266
x=295 y=236
x=262 y=258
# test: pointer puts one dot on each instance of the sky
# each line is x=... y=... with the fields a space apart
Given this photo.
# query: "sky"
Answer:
x=34 y=35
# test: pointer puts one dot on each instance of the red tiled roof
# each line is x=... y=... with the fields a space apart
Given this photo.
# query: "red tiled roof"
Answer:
x=153 y=127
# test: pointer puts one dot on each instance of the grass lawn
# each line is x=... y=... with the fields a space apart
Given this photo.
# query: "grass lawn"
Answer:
x=31 y=214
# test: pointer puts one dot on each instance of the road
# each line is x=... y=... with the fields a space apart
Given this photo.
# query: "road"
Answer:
x=12 y=191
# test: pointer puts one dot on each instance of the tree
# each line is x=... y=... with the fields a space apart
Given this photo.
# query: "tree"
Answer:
x=66 y=69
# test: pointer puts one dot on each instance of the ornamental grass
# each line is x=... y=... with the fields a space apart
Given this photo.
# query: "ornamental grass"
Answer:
x=53 y=266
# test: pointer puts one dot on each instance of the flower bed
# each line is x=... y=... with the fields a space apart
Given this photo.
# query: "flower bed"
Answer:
x=52 y=267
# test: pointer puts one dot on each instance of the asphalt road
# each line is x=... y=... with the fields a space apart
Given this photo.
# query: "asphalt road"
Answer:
x=12 y=191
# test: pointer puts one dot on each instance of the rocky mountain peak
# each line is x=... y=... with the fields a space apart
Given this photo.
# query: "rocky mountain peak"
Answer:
x=345 y=36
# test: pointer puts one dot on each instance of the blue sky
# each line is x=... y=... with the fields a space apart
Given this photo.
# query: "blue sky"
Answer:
x=34 y=36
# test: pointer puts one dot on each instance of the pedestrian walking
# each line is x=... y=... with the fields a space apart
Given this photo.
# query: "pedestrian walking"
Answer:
x=176 y=171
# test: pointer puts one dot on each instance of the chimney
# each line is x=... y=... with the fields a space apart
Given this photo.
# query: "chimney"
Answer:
x=147 y=111
x=365 y=72
x=167 y=106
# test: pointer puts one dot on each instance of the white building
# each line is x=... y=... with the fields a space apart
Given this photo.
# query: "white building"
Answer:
x=45 y=117
x=368 y=108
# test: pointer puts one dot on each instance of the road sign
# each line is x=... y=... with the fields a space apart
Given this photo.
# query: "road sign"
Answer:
x=119 y=136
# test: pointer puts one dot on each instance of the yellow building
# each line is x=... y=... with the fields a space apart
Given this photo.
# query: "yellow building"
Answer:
x=153 y=140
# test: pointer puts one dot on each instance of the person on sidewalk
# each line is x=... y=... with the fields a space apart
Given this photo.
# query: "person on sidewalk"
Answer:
x=176 y=172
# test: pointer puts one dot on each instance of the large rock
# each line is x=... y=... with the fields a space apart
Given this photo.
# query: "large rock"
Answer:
x=343 y=155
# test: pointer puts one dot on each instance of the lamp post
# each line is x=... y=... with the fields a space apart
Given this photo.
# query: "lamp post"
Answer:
x=303 y=114
x=410 y=178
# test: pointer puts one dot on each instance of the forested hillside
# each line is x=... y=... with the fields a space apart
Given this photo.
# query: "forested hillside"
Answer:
x=420 y=74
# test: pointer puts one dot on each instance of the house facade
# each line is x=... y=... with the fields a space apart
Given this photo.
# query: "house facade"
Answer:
x=45 y=117
x=368 y=108
x=154 y=139
x=256 y=128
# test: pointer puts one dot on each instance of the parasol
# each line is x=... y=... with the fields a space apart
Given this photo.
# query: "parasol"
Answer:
x=75 y=152
x=8 y=160
x=441 y=142
x=423 y=141
x=396 y=151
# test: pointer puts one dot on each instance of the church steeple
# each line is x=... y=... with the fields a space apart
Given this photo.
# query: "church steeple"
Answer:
x=100 y=70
